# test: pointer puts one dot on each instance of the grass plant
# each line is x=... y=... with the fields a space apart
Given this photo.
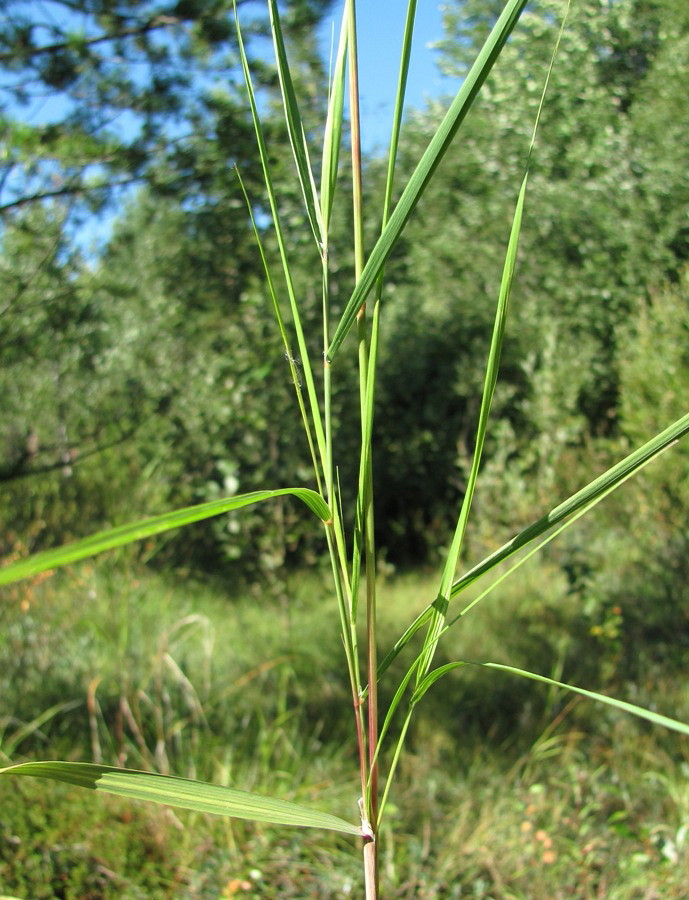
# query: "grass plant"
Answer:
x=407 y=671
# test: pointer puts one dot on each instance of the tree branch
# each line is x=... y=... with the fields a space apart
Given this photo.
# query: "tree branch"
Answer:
x=133 y=31
x=18 y=468
x=65 y=191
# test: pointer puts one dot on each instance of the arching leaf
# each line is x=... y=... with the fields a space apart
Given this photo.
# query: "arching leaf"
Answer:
x=135 y=531
x=183 y=793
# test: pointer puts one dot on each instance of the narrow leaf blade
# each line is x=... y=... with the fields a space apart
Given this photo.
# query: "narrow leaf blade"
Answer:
x=136 y=531
x=183 y=793
x=580 y=502
x=609 y=479
x=452 y=561
x=272 y=199
x=295 y=127
x=426 y=167
x=431 y=678
x=639 y=711
x=333 y=131
x=404 y=639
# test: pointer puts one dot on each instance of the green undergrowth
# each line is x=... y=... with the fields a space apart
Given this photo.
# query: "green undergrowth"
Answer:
x=543 y=796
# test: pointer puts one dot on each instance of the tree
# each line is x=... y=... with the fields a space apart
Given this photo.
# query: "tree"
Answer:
x=152 y=347
x=115 y=89
x=605 y=223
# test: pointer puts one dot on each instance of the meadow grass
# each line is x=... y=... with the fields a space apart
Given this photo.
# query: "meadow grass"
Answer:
x=500 y=794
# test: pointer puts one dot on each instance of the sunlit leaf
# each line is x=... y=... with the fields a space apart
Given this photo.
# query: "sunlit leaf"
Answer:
x=655 y=718
x=427 y=165
x=135 y=531
x=183 y=793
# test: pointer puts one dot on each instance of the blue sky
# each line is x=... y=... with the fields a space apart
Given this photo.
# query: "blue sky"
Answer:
x=380 y=24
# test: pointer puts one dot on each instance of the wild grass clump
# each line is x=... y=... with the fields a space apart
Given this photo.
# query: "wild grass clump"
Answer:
x=495 y=784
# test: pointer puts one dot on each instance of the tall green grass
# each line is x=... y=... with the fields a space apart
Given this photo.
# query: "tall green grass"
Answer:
x=483 y=758
x=378 y=733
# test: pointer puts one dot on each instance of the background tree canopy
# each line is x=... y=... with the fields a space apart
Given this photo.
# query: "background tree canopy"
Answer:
x=150 y=373
x=122 y=93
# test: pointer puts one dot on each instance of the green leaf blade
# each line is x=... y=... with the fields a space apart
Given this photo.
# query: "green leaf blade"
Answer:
x=427 y=166
x=431 y=678
x=623 y=705
x=610 y=479
x=136 y=531
x=183 y=793
x=282 y=246
x=295 y=127
x=575 y=505
x=445 y=591
x=333 y=132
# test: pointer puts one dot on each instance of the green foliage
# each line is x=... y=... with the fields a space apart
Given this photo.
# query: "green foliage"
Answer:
x=52 y=849
x=137 y=531
x=122 y=77
x=99 y=400
x=179 y=352
x=67 y=399
x=185 y=793
x=570 y=771
x=593 y=242
x=588 y=253
x=649 y=586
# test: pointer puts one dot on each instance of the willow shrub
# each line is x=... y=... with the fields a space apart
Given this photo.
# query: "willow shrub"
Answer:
x=350 y=533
